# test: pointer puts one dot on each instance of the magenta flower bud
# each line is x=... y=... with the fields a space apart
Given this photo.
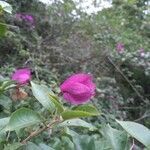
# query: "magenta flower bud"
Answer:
x=120 y=48
x=21 y=76
x=78 y=88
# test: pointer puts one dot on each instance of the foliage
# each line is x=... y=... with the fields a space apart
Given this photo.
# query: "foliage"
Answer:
x=66 y=40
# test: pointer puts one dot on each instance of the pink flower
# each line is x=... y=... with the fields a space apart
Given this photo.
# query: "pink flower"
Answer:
x=27 y=19
x=22 y=76
x=120 y=48
x=78 y=88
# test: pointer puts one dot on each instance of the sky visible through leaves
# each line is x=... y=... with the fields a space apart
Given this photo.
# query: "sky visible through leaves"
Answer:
x=89 y=6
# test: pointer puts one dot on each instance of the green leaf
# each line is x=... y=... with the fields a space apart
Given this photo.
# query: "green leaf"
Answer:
x=57 y=103
x=57 y=144
x=3 y=29
x=138 y=131
x=69 y=114
x=41 y=93
x=67 y=143
x=87 y=108
x=3 y=124
x=31 y=146
x=117 y=139
x=63 y=143
x=131 y=2
x=7 y=84
x=22 y=118
x=82 y=142
x=1 y=9
x=6 y=102
x=45 y=147
x=76 y=123
x=13 y=146
x=103 y=144
x=6 y=7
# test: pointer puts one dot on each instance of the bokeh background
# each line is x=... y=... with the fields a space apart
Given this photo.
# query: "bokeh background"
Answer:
x=109 y=39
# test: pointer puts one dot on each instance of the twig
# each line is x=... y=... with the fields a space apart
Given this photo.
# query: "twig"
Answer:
x=8 y=25
x=8 y=135
x=35 y=133
x=145 y=115
x=129 y=108
x=133 y=145
x=118 y=69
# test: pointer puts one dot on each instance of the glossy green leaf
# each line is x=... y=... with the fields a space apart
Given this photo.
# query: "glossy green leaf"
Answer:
x=117 y=139
x=69 y=114
x=87 y=108
x=6 y=7
x=76 y=123
x=22 y=118
x=138 y=131
x=57 y=103
x=41 y=93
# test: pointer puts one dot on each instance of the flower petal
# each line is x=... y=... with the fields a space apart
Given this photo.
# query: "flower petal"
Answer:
x=22 y=75
x=81 y=77
x=78 y=92
x=78 y=88
x=74 y=100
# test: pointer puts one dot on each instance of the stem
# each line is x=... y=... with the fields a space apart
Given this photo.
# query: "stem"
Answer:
x=129 y=108
x=145 y=115
x=132 y=86
x=35 y=133
x=8 y=25
x=133 y=145
x=8 y=135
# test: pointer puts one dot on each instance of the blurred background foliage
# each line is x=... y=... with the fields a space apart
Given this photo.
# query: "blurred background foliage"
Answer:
x=67 y=40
